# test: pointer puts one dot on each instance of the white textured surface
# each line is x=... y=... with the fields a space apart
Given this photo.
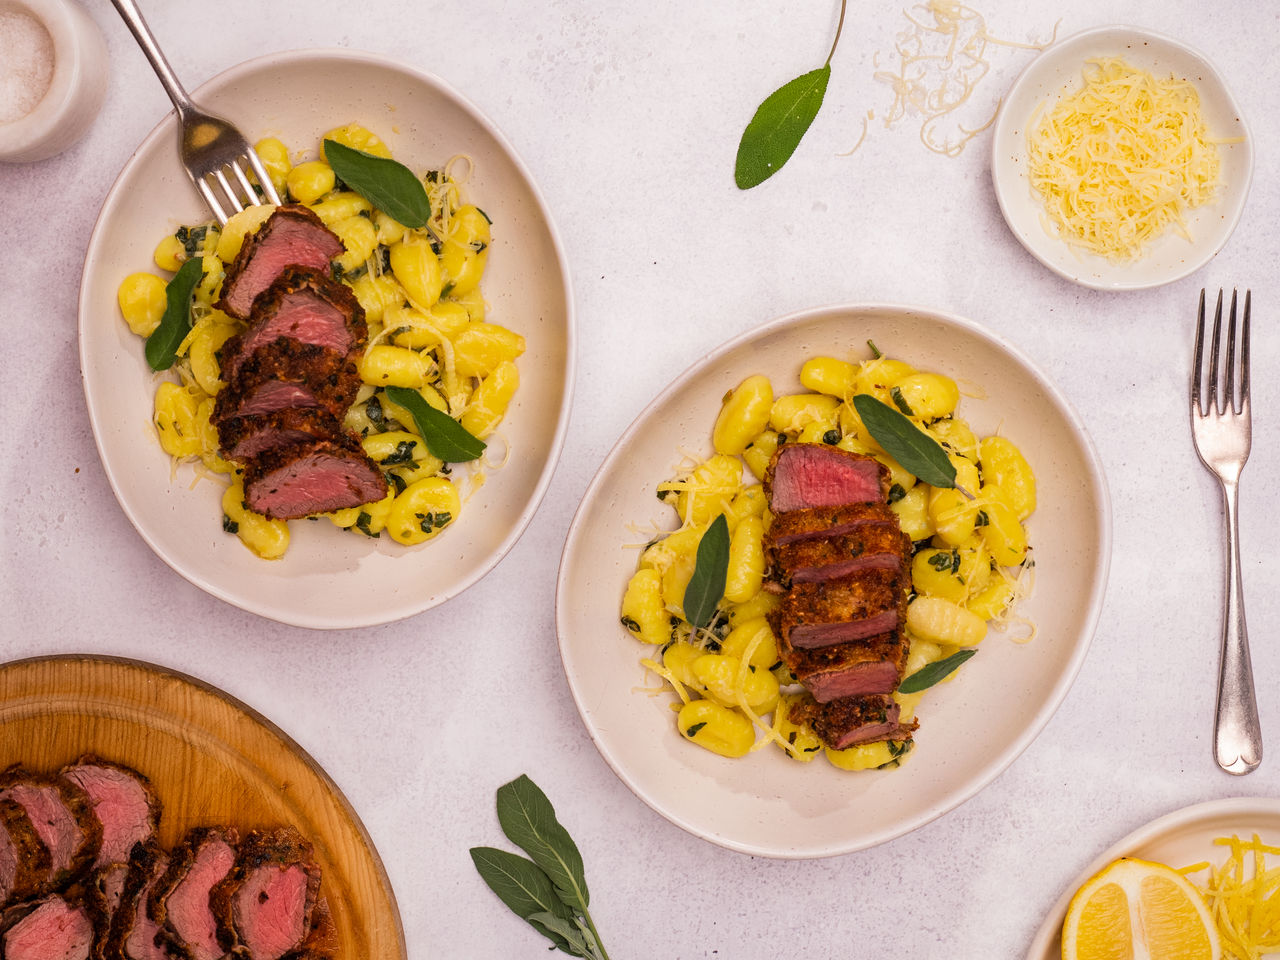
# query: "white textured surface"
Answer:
x=628 y=116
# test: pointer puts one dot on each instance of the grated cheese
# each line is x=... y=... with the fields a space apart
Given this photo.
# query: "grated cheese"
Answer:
x=1122 y=160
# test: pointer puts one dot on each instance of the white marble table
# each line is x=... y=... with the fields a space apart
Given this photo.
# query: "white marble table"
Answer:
x=628 y=116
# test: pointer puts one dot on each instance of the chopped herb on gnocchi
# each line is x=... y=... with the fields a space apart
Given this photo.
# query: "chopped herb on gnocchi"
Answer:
x=970 y=556
x=428 y=332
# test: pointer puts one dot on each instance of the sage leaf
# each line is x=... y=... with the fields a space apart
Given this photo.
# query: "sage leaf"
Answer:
x=918 y=452
x=162 y=345
x=529 y=821
x=444 y=436
x=706 y=586
x=388 y=184
x=522 y=886
x=777 y=127
x=572 y=938
x=932 y=673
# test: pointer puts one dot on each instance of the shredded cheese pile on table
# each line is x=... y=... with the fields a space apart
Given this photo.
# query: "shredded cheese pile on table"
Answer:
x=1121 y=160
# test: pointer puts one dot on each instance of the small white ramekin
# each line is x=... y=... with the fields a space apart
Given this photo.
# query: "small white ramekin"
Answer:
x=76 y=88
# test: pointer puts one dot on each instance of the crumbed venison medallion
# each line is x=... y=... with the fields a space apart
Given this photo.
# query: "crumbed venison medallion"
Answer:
x=287 y=373
x=310 y=477
x=292 y=236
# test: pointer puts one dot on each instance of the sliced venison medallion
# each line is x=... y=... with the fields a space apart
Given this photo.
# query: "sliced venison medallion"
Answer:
x=122 y=801
x=287 y=373
x=879 y=545
x=311 y=477
x=807 y=475
x=819 y=523
x=291 y=236
x=62 y=814
x=269 y=906
x=24 y=859
x=179 y=901
x=102 y=893
x=303 y=305
x=843 y=609
x=52 y=928
x=851 y=721
x=243 y=438
x=869 y=666
x=132 y=934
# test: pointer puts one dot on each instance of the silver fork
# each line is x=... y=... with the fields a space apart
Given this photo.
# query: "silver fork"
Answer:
x=1222 y=433
x=212 y=150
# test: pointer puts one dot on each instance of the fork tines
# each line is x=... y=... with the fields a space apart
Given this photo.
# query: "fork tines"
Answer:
x=1225 y=402
x=229 y=202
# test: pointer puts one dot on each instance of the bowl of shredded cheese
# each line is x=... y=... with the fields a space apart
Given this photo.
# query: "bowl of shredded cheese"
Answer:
x=1120 y=159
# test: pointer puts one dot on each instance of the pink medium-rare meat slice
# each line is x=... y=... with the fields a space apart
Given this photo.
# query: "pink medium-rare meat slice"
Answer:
x=243 y=438
x=102 y=893
x=291 y=236
x=179 y=902
x=123 y=803
x=62 y=815
x=819 y=523
x=859 y=667
x=50 y=929
x=132 y=934
x=286 y=373
x=24 y=859
x=302 y=305
x=872 y=546
x=806 y=475
x=312 y=477
x=844 y=609
x=268 y=906
x=850 y=721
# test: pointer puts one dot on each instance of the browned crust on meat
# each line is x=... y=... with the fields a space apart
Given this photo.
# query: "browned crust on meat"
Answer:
x=818 y=522
x=78 y=805
x=31 y=870
x=876 y=538
x=830 y=721
x=251 y=243
x=331 y=377
x=803 y=664
x=180 y=861
x=282 y=847
x=267 y=462
x=142 y=863
x=844 y=599
x=317 y=423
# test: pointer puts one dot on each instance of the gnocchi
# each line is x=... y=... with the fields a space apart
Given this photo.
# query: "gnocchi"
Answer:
x=421 y=293
x=970 y=547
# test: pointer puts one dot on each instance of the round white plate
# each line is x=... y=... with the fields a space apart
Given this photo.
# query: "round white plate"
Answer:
x=330 y=578
x=1178 y=839
x=1056 y=73
x=970 y=729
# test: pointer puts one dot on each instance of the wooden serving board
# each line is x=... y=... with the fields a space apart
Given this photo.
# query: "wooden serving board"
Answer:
x=211 y=760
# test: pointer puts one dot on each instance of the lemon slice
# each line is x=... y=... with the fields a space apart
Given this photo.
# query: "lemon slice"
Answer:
x=1138 y=910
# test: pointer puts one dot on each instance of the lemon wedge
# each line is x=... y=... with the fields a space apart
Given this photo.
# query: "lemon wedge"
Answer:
x=1139 y=910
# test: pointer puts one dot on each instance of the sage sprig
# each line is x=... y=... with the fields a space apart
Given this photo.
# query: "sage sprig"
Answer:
x=706 y=587
x=935 y=672
x=388 y=184
x=444 y=436
x=548 y=890
x=781 y=121
x=918 y=452
x=162 y=345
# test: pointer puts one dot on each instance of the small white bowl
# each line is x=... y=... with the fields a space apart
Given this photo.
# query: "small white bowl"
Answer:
x=76 y=88
x=1057 y=72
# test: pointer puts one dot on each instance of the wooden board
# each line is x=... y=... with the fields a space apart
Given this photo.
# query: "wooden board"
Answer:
x=211 y=760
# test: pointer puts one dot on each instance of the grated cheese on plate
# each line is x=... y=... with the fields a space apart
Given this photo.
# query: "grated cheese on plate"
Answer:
x=1122 y=160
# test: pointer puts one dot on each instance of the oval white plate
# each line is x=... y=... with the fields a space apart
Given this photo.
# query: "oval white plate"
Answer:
x=1178 y=839
x=1056 y=73
x=330 y=578
x=970 y=729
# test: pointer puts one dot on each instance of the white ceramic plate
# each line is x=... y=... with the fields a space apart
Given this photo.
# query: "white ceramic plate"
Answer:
x=329 y=577
x=1056 y=73
x=1178 y=839
x=970 y=729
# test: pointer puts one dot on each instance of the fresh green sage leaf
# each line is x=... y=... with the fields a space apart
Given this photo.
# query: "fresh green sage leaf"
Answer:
x=522 y=886
x=706 y=587
x=162 y=345
x=777 y=127
x=932 y=673
x=918 y=452
x=571 y=937
x=445 y=437
x=388 y=184
x=529 y=821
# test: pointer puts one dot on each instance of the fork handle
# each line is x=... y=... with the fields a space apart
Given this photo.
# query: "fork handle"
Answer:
x=132 y=16
x=1236 y=733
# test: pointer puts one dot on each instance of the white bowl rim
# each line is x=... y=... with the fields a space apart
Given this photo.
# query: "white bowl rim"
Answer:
x=167 y=127
x=1047 y=708
x=1058 y=48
